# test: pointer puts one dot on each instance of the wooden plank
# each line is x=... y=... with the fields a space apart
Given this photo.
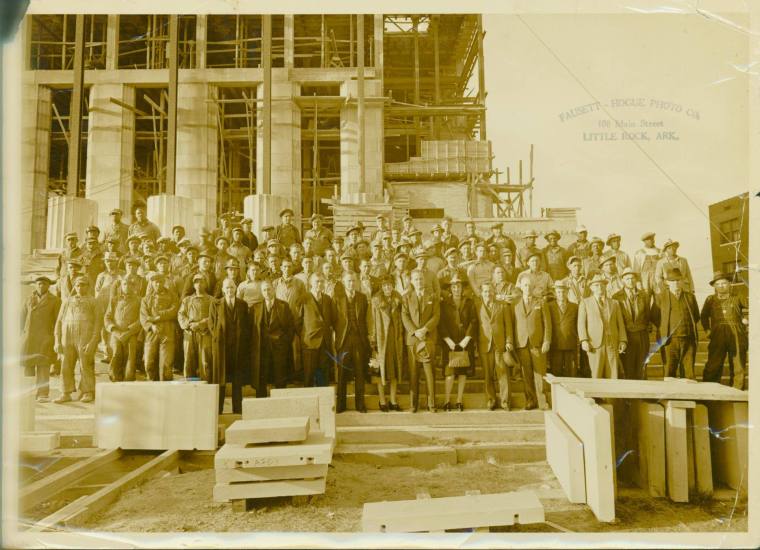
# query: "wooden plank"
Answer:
x=651 y=447
x=461 y=512
x=702 y=458
x=564 y=453
x=37 y=492
x=728 y=443
x=614 y=451
x=244 y=475
x=604 y=388
x=317 y=449
x=83 y=508
x=270 y=430
x=676 y=457
x=283 y=407
x=326 y=395
x=265 y=489
x=592 y=424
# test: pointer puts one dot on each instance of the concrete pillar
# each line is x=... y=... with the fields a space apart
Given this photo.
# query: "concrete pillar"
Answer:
x=110 y=149
x=286 y=143
x=373 y=144
x=201 y=26
x=66 y=214
x=166 y=211
x=197 y=151
x=264 y=210
x=35 y=155
x=289 y=41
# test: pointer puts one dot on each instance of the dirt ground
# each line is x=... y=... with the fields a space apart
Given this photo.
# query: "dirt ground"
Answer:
x=183 y=502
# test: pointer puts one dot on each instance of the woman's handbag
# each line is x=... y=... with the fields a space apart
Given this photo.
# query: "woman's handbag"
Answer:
x=459 y=359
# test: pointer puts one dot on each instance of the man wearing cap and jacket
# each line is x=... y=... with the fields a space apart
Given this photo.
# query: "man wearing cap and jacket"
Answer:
x=501 y=240
x=601 y=330
x=671 y=260
x=104 y=285
x=608 y=267
x=65 y=285
x=195 y=316
x=321 y=237
x=249 y=237
x=382 y=226
x=528 y=248
x=92 y=259
x=540 y=281
x=452 y=268
x=724 y=318
x=575 y=281
x=287 y=233
x=143 y=227
x=621 y=258
x=238 y=249
x=71 y=252
x=38 y=317
x=77 y=331
x=122 y=322
x=448 y=239
x=481 y=270
x=204 y=268
x=592 y=262
x=554 y=257
x=581 y=247
x=117 y=229
x=645 y=262
x=635 y=307
x=158 y=317
x=676 y=313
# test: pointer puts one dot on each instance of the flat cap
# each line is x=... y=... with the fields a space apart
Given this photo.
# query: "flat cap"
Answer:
x=647 y=235
x=232 y=263
x=268 y=228
x=198 y=277
x=449 y=252
x=72 y=235
x=132 y=260
x=611 y=237
x=93 y=229
x=161 y=258
x=553 y=232
x=133 y=238
x=572 y=259
x=530 y=234
x=42 y=279
x=115 y=211
x=182 y=227
x=286 y=211
x=111 y=257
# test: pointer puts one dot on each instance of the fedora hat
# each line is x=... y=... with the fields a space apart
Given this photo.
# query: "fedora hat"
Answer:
x=598 y=278
x=553 y=232
x=611 y=237
x=717 y=276
x=647 y=235
x=670 y=242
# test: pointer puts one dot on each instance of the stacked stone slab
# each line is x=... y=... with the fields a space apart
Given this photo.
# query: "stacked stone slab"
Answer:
x=282 y=447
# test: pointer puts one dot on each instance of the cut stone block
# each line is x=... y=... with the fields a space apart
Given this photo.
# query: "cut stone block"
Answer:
x=67 y=214
x=39 y=442
x=317 y=449
x=157 y=415
x=438 y=514
x=270 y=430
x=702 y=458
x=265 y=489
x=564 y=452
x=650 y=419
x=326 y=397
x=246 y=475
x=593 y=426
x=260 y=408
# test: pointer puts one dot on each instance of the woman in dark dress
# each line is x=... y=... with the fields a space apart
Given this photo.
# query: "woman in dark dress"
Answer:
x=458 y=329
x=386 y=337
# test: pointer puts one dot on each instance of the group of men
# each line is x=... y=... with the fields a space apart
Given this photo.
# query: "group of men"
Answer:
x=288 y=308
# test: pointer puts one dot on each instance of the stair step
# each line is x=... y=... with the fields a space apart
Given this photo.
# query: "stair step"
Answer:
x=428 y=435
x=431 y=456
x=471 y=401
x=472 y=417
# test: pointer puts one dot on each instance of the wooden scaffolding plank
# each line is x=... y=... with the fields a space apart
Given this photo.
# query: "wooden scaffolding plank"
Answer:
x=42 y=489
x=676 y=450
x=246 y=475
x=650 y=419
x=224 y=492
x=564 y=453
x=593 y=426
x=702 y=458
x=83 y=508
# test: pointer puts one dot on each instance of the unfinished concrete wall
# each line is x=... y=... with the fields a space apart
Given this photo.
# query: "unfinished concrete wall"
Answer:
x=110 y=143
x=35 y=152
x=197 y=151
x=373 y=142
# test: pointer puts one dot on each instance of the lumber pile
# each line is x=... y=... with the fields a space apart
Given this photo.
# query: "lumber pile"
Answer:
x=282 y=446
x=157 y=415
x=674 y=438
x=436 y=515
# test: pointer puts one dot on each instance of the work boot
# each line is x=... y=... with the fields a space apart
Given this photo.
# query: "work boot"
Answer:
x=87 y=398
x=43 y=399
x=63 y=398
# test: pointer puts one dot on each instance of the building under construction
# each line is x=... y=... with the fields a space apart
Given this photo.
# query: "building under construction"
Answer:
x=195 y=115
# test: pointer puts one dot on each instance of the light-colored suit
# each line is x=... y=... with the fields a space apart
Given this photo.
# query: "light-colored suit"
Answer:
x=604 y=329
x=415 y=314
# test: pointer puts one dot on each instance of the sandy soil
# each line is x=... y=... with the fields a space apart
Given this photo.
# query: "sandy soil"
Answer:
x=183 y=502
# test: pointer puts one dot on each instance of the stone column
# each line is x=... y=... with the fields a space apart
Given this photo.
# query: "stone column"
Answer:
x=285 y=147
x=264 y=210
x=373 y=144
x=110 y=150
x=289 y=41
x=35 y=155
x=166 y=211
x=197 y=152
x=66 y=214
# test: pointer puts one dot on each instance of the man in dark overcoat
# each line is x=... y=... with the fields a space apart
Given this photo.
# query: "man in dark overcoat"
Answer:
x=38 y=317
x=229 y=341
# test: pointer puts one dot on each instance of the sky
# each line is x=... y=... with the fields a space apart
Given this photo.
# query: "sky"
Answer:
x=676 y=83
